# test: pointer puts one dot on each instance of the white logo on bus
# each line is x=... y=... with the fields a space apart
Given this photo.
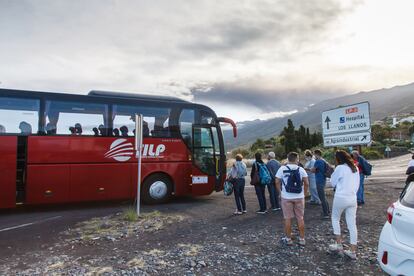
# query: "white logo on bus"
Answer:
x=121 y=150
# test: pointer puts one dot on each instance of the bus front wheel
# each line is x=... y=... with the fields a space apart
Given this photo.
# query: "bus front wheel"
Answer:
x=157 y=188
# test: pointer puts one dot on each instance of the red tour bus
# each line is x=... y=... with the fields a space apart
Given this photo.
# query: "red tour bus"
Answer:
x=59 y=148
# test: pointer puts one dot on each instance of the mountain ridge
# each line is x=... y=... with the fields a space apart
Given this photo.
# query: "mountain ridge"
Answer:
x=383 y=102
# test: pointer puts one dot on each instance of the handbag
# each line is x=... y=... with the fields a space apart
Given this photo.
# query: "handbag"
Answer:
x=255 y=178
x=228 y=188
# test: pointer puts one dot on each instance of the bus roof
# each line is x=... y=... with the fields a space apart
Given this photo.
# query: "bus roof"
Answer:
x=98 y=94
x=113 y=94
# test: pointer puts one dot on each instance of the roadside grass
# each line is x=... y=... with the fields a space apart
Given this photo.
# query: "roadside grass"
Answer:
x=122 y=224
x=130 y=214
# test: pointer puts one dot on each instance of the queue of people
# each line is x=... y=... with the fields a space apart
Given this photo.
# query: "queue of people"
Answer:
x=290 y=183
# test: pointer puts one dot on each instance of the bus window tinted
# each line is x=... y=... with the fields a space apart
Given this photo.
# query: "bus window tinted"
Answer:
x=186 y=122
x=156 y=120
x=206 y=118
x=76 y=118
x=19 y=116
x=203 y=150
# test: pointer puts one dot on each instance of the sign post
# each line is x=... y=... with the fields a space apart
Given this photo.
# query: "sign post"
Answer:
x=387 y=151
x=347 y=125
x=138 y=149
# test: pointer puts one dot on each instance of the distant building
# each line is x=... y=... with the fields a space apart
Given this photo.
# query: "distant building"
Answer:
x=400 y=135
x=394 y=122
x=407 y=119
x=379 y=123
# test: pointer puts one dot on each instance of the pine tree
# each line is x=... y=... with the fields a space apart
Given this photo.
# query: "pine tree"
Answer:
x=308 y=140
x=290 y=137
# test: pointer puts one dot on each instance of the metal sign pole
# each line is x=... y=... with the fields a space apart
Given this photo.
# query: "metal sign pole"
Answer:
x=138 y=149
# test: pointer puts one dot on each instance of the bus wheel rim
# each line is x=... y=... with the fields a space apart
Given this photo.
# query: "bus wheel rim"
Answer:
x=158 y=190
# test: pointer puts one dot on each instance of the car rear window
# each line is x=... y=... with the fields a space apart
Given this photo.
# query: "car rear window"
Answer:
x=407 y=196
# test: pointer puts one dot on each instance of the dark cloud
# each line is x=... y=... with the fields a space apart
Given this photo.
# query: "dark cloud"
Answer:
x=283 y=25
x=268 y=100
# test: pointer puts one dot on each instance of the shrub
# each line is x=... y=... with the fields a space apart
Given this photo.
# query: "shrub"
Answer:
x=372 y=154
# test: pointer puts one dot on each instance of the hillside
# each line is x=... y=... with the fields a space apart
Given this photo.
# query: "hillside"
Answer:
x=383 y=102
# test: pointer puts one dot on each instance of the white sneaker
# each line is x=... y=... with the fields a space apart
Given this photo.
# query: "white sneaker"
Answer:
x=244 y=211
x=237 y=213
x=302 y=242
x=287 y=241
x=336 y=247
x=350 y=254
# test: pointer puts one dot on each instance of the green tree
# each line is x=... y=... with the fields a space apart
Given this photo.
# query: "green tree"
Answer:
x=411 y=129
x=242 y=151
x=289 y=137
x=316 y=139
x=301 y=137
x=379 y=133
x=308 y=139
x=259 y=144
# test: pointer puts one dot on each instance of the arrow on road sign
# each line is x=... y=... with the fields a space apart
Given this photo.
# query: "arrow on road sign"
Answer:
x=327 y=120
x=364 y=138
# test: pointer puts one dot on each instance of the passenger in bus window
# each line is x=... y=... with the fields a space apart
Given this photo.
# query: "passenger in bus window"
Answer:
x=145 y=131
x=124 y=131
x=25 y=128
x=102 y=130
x=50 y=129
x=159 y=129
x=116 y=132
x=2 y=129
x=95 y=131
x=78 y=129
x=72 y=131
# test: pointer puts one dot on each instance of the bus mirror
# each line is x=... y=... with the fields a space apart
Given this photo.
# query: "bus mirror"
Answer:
x=231 y=122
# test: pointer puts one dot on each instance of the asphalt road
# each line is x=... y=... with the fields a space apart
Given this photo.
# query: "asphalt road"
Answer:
x=31 y=229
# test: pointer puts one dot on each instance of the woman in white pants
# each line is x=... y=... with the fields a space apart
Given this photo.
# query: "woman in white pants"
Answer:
x=345 y=180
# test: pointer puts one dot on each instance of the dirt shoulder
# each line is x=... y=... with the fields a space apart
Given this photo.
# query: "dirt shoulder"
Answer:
x=200 y=236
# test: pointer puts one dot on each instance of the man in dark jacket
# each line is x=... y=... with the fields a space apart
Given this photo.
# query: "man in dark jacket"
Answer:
x=362 y=165
x=273 y=166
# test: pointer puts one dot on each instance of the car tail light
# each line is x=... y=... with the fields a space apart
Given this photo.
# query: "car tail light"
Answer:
x=385 y=257
x=390 y=212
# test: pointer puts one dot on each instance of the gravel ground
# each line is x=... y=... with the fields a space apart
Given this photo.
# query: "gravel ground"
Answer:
x=201 y=237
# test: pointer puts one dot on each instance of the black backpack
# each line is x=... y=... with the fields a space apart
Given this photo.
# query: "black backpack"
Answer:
x=328 y=170
x=294 y=181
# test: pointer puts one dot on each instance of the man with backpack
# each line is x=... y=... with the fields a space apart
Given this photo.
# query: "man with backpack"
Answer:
x=322 y=170
x=294 y=183
x=260 y=178
x=365 y=169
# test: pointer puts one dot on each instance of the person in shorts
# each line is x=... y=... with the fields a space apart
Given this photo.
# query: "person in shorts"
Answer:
x=293 y=204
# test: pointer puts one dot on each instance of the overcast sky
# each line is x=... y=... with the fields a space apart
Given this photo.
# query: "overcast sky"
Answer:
x=245 y=59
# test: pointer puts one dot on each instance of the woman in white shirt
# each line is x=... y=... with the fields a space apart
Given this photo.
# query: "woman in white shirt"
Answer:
x=345 y=180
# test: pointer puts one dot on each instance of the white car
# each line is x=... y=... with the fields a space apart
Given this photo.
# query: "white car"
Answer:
x=396 y=243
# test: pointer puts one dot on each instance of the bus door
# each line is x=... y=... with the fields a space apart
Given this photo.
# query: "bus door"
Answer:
x=8 y=151
x=19 y=118
x=206 y=165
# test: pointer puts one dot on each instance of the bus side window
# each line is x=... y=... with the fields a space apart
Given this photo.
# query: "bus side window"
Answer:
x=19 y=116
x=186 y=122
x=155 y=120
x=76 y=118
